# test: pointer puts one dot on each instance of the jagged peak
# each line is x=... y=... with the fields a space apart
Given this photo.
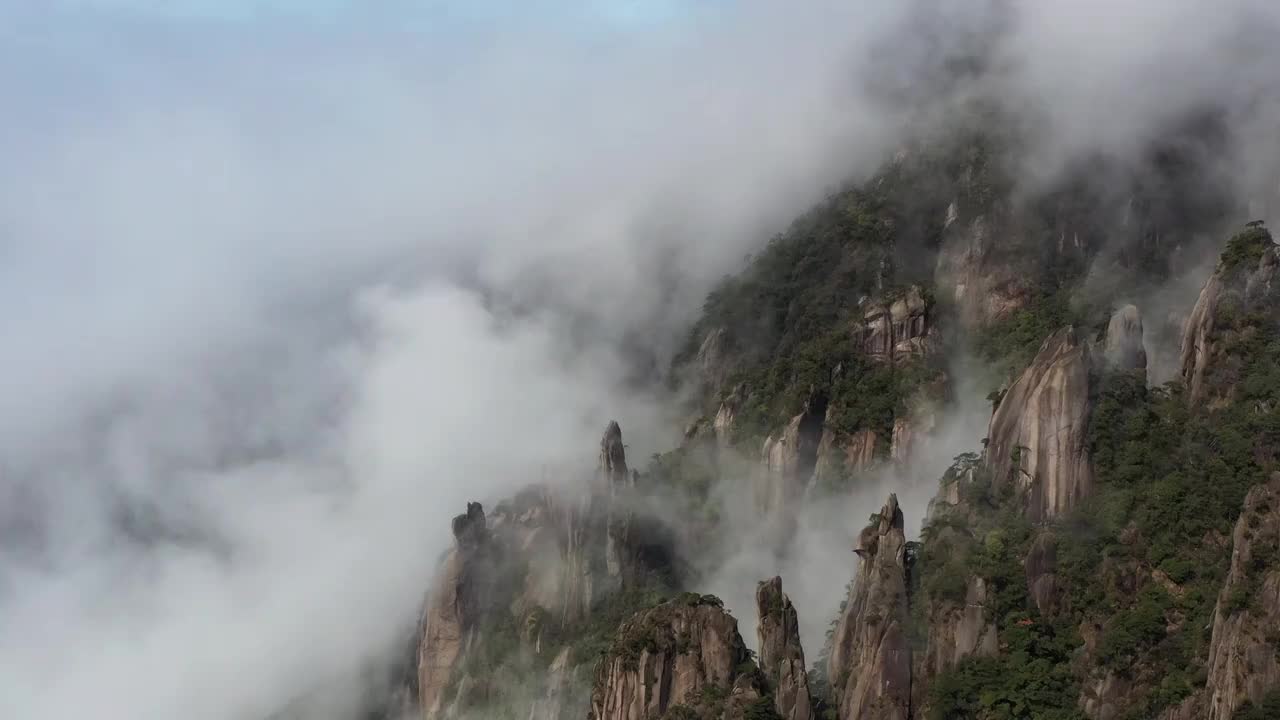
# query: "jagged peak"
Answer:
x=888 y=520
x=613 y=454
x=470 y=528
x=1123 y=346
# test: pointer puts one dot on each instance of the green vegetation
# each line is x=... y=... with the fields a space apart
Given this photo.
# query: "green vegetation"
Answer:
x=651 y=631
x=863 y=393
x=1030 y=678
x=1010 y=344
x=987 y=537
x=1245 y=249
x=792 y=321
x=1145 y=560
x=1268 y=709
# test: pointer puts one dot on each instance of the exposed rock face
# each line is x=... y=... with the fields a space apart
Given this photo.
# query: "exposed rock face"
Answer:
x=898 y=329
x=1104 y=698
x=1123 y=347
x=1242 y=654
x=912 y=431
x=712 y=359
x=1037 y=434
x=781 y=656
x=561 y=677
x=722 y=425
x=1190 y=709
x=537 y=561
x=955 y=633
x=613 y=476
x=1196 y=346
x=840 y=455
x=579 y=530
x=665 y=656
x=457 y=603
x=984 y=281
x=1236 y=287
x=870 y=662
x=788 y=460
x=1042 y=581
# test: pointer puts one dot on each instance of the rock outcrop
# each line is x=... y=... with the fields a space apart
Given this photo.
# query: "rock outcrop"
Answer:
x=612 y=477
x=1241 y=283
x=1122 y=347
x=898 y=328
x=956 y=628
x=913 y=430
x=538 y=563
x=1037 y=435
x=722 y=424
x=712 y=361
x=1196 y=346
x=780 y=653
x=457 y=604
x=558 y=697
x=1104 y=697
x=985 y=281
x=1243 y=663
x=667 y=656
x=788 y=459
x=842 y=455
x=1042 y=580
x=958 y=631
x=870 y=661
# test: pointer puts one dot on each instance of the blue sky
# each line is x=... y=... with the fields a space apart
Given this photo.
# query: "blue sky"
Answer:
x=617 y=11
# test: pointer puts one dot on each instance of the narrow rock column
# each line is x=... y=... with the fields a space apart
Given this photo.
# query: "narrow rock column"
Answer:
x=870 y=663
x=781 y=656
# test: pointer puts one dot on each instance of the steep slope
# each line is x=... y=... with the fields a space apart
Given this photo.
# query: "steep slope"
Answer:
x=1239 y=289
x=1037 y=436
x=531 y=590
x=870 y=659
x=1074 y=568
x=685 y=653
x=1244 y=654
x=780 y=653
x=458 y=603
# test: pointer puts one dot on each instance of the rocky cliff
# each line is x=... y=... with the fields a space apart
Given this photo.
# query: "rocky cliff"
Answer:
x=1123 y=347
x=459 y=600
x=899 y=328
x=685 y=653
x=870 y=660
x=1068 y=570
x=781 y=656
x=1244 y=654
x=522 y=581
x=788 y=459
x=1241 y=285
x=981 y=265
x=1036 y=440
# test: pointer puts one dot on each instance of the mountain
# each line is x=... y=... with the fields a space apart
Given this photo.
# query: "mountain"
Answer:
x=1109 y=550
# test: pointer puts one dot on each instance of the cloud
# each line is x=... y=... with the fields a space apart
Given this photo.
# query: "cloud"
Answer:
x=283 y=296
x=281 y=293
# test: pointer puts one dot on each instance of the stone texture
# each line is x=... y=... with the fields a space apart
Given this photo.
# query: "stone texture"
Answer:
x=1036 y=439
x=1042 y=581
x=456 y=605
x=780 y=653
x=664 y=657
x=1242 y=652
x=1122 y=347
x=870 y=661
x=1205 y=332
x=898 y=328
x=788 y=459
